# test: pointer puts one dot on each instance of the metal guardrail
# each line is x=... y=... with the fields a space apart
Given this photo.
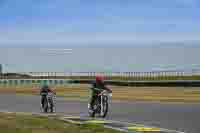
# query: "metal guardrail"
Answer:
x=34 y=81
x=111 y=74
x=167 y=83
x=161 y=83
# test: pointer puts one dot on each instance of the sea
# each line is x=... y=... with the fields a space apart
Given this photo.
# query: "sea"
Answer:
x=103 y=59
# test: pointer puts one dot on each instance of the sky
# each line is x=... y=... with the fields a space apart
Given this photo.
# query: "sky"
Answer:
x=94 y=22
x=99 y=23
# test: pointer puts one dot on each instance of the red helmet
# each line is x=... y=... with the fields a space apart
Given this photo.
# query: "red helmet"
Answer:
x=99 y=78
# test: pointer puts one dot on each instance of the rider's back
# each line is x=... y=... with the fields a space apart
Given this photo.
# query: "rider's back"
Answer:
x=98 y=87
x=44 y=90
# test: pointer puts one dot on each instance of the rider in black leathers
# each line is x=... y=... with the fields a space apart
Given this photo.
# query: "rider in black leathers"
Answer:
x=45 y=89
x=97 y=87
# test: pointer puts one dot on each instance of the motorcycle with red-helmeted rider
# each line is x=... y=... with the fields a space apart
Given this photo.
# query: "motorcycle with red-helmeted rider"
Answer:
x=99 y=100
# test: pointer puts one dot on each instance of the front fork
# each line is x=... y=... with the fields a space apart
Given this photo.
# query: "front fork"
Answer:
x=49 y=102
x=102 y=105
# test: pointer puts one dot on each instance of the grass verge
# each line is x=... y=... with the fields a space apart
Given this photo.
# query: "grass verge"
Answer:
x=18 y=123
x=81 y=91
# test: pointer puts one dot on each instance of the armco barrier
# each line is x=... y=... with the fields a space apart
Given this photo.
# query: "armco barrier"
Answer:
x=34 y=81
x=165 y=83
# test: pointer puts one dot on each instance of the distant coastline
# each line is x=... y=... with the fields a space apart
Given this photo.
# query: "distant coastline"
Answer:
x=187 y=44
x=87 y=59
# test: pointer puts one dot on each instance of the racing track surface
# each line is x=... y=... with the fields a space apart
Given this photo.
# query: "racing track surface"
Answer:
x=182 y=117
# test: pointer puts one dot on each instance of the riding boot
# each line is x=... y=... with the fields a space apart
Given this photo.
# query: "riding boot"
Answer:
x=42 y=101
x=92 y=100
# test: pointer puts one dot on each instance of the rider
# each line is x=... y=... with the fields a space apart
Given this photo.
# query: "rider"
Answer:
x=45 y=89
x=97 y=88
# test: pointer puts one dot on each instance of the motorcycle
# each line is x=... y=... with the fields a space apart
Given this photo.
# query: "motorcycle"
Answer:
x=100 y=106
x=49 y=103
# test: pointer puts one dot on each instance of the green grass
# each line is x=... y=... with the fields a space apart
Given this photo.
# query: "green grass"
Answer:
x=18 y=123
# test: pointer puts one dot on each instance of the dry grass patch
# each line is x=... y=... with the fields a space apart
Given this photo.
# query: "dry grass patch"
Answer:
x=169 y=94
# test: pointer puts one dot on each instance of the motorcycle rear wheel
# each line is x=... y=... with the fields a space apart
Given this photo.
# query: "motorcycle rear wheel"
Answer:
x=95 y=109
x=105 y=111
x=45 y=107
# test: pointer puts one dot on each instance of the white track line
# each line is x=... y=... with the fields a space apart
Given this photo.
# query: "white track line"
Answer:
x=128 y=123
x=118 y=129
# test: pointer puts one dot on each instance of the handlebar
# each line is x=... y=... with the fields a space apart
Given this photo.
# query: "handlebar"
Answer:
x=51 y=93
x=104 y=92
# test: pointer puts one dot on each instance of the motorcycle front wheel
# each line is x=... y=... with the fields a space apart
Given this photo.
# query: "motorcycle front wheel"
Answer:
x=105 y=108
x=45 y=107
x=51 y=105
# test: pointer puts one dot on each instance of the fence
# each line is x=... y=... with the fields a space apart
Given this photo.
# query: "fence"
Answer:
x=34 y=81
x=131 y=74
x=120 y=74
x=154 y=75
x=166 y=83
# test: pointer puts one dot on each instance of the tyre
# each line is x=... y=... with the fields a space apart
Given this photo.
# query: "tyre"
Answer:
x=105 y=107
x=45 y=106
x=51 y=105
x=92 y=114
x=95 y=108
x=105 y=110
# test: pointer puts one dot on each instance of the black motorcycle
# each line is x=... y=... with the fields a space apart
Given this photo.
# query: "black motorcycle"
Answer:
x=100 y=106
x=49 y=103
